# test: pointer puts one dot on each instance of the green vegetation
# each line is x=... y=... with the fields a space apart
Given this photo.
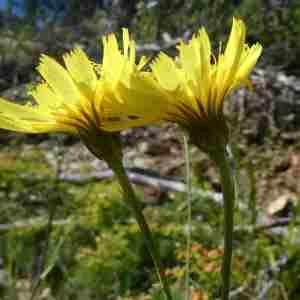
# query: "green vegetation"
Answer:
x=95 y=248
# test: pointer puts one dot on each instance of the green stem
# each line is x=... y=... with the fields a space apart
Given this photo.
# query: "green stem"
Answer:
x=227 y=180
x=135 y=205
x=107 y=146
x=188 y=176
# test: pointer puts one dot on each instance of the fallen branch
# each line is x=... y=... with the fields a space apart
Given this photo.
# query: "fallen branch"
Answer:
x=153 y=47
x=268 y=224
x=143 y=178
x=278 y=222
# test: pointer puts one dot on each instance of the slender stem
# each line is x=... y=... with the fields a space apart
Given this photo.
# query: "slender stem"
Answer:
x=107 y=146
x=49 y=226
x=252 y=196
x=135 y=205
x=189 y=214
x=44 y=252
x=228 y=186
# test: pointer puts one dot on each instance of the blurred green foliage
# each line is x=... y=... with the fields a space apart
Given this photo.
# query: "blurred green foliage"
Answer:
x=98 y=252
x=23 y=38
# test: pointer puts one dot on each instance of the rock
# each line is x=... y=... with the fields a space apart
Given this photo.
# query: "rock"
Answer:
x=281 y=206
x=273 y=105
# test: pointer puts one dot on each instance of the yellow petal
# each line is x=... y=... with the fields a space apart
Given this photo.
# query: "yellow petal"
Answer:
x=143 y=61
x=45 y=97
x=229 y=62
x=249 y=62
x=205 y=54
x=113 y=61
x=23 y=112
x=15 y=125
x=58 y=79
x=190 y=60
x=126 y=41
x=81 y=69
x=47 y=127
x=165 y=71
x=51 y=104
x=235 y=44
x=21 y=117
x=132 y=53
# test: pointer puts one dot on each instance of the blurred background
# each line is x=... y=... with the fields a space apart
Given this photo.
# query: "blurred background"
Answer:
x=65 y=232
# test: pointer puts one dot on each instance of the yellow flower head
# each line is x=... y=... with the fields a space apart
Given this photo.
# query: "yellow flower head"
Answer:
x=69 y=99
x=200 y=82
x=189 y=90
x=65 y=100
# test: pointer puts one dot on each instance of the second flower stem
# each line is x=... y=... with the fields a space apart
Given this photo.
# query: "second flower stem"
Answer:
x=135 y=206
x=228 y=186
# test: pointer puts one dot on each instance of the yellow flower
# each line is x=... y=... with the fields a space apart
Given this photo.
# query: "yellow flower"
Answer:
x=189 y=90
x=64 y=102
x=69 y=99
